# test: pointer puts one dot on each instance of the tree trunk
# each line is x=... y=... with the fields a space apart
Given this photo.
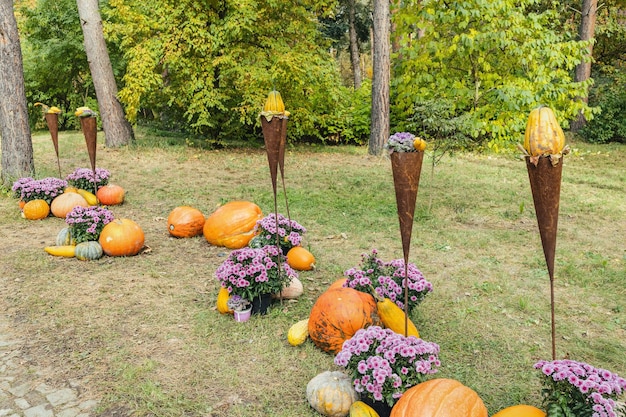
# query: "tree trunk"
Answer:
x=117 y=129
x=17 y=147
x=380 y=79
x=583 y=70
x=354 y=45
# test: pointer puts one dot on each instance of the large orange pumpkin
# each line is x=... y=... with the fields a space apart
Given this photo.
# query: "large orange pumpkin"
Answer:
x=111 y=194
x=439 y=397
x=122 y=237
x=64 y=203
x=185 y=221
x=338 y=314
x=520 y=410
x=232 y=225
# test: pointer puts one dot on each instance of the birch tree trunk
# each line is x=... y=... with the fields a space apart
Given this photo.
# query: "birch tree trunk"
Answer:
x=583 y=70
x=17 y=147
x=117 y=129
x=381 y=78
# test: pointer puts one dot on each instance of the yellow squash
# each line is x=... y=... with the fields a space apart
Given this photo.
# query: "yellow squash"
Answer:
x=66 y=251
x=298 y=332
x=90 y=197
x=274 y=103
x=392 y=317
x=222 y=301
x=360 y=409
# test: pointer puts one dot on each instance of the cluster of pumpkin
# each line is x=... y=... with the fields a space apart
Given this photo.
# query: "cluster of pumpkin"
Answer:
x=121 y=237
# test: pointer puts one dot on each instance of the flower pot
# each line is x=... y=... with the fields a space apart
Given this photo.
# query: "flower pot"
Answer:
x=382 y=408
x=261 y=303
x=243 y=315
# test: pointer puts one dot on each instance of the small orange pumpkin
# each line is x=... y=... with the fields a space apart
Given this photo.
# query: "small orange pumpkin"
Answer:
x=337 y=315
x=111 y=195
x=439 y=397
x=300 y=259
x=185 y=221
x=36 y=210
x=232 y=225
x=64 y=203
x=122 y=237
x=520 y=410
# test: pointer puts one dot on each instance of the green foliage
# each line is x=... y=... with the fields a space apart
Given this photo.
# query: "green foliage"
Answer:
x=210 y=65
x=610 y=96
x=492 y=61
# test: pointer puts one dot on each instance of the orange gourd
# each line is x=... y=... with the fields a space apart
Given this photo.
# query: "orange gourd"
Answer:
x=185 y=221
x=338 y=314
x=439 y=397
x=122 y=237
x=64 y=203
x=232 y=225
x=520 y=410
x=543 y=135
x=110 y=195
x=36 y=210
x=300 y=259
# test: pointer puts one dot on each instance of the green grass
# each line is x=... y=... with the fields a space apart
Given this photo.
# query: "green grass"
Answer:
x=143 y=334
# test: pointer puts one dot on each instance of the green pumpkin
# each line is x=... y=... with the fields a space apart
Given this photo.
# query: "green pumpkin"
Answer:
x=88 y=251
x=64 y=237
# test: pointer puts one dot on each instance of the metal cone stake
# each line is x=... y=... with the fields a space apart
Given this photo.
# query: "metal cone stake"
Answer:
x=406 y=167
x=545 y=184
x=52 y=120
x=90 y=131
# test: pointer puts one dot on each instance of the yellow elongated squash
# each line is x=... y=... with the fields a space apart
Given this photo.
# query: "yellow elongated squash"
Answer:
x=90 y=197
x=298 y=332
x=222 y=301
x=393 y=318
x=67 y=251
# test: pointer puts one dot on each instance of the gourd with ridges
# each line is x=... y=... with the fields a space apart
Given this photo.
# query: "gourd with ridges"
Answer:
x=393 y=318
x=36 y=210
x=439 y=397
x=88 y=251
x=543 y=135
x=298 y=332
x=360 y=409
x=64 y=237
x=291 y=291
x=331 y=393
x=274 y=103
x=64 y=203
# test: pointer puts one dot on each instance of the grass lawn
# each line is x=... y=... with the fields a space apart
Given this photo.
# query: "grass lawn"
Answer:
x=142 y=333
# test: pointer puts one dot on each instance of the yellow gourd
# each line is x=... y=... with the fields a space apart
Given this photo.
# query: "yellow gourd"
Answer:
x=222 y=301
x=36 y=210
x=90 y=197
x=360 y=409
x=66 y=251
x=298 y=332
x=392 y=317
x=274 y=103
x=543 y=135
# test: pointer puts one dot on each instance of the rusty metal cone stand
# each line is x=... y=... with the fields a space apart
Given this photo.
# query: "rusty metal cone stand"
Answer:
x=52 y=120
x=406 y=167
x=545 y=184
x=275 y=137
x=89 y=126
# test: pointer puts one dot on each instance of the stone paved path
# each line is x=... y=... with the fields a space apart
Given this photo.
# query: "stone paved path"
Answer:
x=23 y=392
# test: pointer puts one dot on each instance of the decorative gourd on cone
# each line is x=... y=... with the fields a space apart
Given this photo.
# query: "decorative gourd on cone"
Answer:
x=543 y=135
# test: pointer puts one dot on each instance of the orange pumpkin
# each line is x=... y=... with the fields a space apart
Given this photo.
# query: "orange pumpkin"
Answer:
x=338 y=314
x=64 y=203
x=36 y=210
x=337 y=284
x=439 y=397
x=185 y=221
x=110 y=195
x=300 y=259
x=122 y=237
x=520 y=410
x=232 y=225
